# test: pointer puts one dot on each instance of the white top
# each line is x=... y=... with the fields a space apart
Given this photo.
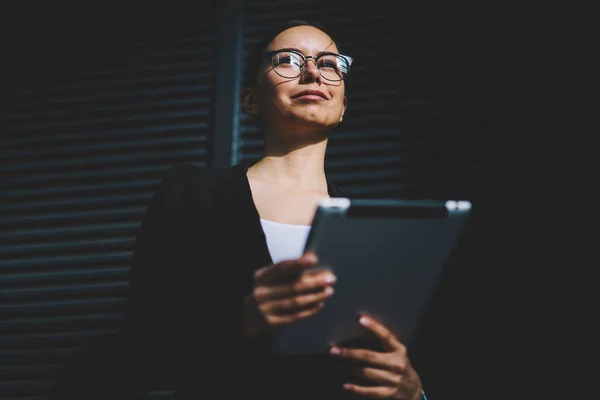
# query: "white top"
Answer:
x=285 y=241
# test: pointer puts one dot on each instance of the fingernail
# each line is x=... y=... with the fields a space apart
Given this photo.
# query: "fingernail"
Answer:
x=363 y=321
x=329 y=291
x=310 y=257
x=330 y=279
x=335 y=350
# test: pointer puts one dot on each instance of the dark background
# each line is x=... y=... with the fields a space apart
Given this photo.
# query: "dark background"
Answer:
x=101 y=101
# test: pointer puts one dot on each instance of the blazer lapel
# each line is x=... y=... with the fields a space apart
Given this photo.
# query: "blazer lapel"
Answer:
x=236 y=198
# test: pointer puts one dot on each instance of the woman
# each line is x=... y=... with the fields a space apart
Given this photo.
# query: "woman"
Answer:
x=298 y=99
x=218 y=265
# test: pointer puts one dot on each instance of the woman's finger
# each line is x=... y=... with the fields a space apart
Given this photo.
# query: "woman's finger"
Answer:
x=309 y=282
x=387 y=338
x=298 y=303
x=369 y=357
x=376 y=375
x=285 y=268
x=378 y=392
x=285 y=319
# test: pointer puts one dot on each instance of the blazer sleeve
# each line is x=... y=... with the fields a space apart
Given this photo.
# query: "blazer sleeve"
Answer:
x=128 y=364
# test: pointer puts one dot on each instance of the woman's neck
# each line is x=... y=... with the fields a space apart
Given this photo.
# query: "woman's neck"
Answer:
x=301 y=169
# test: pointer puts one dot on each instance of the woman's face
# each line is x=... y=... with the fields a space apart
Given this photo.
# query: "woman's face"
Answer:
x=283 y=104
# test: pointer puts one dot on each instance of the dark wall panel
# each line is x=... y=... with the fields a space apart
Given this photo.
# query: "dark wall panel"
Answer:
x=101 y=105
x=97 y=114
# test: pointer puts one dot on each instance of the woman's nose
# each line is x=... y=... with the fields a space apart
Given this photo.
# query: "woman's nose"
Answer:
x=310 y=70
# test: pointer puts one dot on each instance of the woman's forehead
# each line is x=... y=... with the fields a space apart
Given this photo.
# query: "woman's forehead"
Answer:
x=309 y=40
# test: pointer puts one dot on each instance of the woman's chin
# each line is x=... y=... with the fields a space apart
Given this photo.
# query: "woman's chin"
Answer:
x=315 y=121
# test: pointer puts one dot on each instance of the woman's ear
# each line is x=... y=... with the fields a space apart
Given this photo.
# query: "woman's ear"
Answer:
x=249 y=101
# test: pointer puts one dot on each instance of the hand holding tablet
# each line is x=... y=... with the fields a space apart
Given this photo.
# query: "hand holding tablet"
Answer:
x=387 y=256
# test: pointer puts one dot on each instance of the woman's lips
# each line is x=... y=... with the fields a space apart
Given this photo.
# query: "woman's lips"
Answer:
x=310 y=97
x=311 y=94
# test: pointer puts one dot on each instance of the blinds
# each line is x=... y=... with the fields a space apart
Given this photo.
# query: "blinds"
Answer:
x=97 y=116
x=95 y=122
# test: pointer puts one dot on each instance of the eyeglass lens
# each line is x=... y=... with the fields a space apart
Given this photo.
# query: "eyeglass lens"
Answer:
x=289 y=65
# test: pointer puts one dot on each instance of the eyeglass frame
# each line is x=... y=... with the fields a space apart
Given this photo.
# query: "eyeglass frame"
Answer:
x=270 y=54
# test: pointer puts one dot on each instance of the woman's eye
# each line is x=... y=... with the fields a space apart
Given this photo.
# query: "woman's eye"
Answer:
x=328 y=64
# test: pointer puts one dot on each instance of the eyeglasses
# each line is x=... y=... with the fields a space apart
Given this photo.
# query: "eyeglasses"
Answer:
x=289 y=63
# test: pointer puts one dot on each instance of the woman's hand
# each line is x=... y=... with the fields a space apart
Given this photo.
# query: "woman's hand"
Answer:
x=390 y=371
x=286 y=292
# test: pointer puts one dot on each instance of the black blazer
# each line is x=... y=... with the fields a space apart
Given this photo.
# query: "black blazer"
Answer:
x=199 y=243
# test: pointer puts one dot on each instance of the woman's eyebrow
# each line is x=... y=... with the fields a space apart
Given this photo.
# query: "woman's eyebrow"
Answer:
x=299 y=51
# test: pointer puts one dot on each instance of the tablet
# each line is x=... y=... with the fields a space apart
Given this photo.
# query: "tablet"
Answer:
x=387 y=256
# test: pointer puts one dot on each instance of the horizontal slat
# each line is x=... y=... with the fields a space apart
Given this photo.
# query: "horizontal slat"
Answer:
x=16 y=278
x=58 y=307
x=68 y=136
x=25 y=387
x=257 y=8
x=373 y=190
x=33 y=371
x=131 y=159
x=140 y=42
x=41 y=101
x=102 y=174
x=106 y=102
x=24 y=357
x=67 y=110
x=87 y=68
x=53 y=340
x=361 y=176
x=90 y=290
x=261 y=18
x=41 y=207
x=112 y=121
x=124 y=146
x=260 y=15
x=66 y=261
x=333 y=165
x=118 y=85
x=91 y=71
x=92 y=68
x=42 y=234
x=59 y=323
x=26 y=279
x=81 y=217
x=161 y=395
x=191 y=33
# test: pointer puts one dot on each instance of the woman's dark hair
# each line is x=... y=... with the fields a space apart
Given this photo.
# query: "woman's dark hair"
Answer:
x=255 y=55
